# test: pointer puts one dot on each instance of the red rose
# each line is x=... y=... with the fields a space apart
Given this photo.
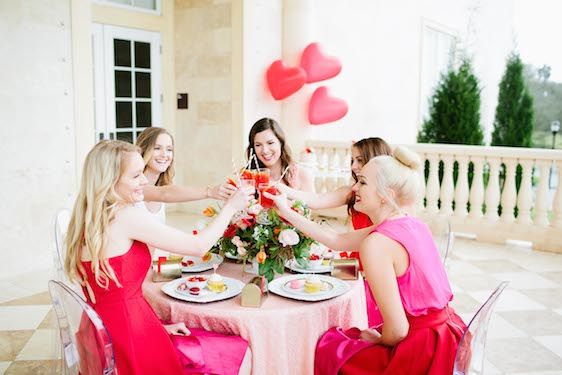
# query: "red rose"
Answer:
x=230 y=231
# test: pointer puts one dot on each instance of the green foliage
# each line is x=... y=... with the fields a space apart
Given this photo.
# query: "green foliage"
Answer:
x=455 y=109
x=513 y=125
x=547 y=96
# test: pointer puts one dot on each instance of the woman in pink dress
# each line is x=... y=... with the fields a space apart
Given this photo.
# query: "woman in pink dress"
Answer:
x=107 y=254
x=361 y=152
x=267 y=142
x=420 y=332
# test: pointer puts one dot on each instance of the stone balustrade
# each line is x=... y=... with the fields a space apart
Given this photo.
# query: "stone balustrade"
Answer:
x=474 y=187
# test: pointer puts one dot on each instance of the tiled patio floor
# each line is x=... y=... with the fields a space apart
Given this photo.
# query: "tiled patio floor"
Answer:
x=525 y=334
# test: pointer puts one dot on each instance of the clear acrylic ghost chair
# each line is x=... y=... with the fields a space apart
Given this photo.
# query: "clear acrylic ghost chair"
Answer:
x=469 y=359
x=86 y=344
x=444 y=238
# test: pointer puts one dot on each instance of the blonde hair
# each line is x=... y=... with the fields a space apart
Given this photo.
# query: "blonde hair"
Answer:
x=399 y=173
x=146 y=141
x=94 y=209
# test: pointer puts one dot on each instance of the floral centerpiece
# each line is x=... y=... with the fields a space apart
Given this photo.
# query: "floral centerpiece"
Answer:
x=258 y=234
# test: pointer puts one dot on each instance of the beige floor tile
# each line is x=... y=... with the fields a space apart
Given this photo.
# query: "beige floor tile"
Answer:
x=464 y=303
x=43 y=298
x=12 y=342
x=34 y=368
x=553 y=276
x=551 y=298
x=475 y=282
x=14 y=318
x=10 y=291
x=525 y=280
x=50 y=321
x=490 y=369
x=4 y=366
x=500 y=328
x=520 y=355
x=558 y=311
x=459 y=268
x=496 y=266
x=41 y=346
x=538 y=261
x=535 y=322
x=554 y=343
x=509 y=300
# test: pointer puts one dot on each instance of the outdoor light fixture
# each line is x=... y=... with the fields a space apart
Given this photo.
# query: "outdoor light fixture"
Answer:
x=554 y=128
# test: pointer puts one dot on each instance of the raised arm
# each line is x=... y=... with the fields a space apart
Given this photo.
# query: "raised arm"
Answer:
x=316 y=201
x=142 y=226
x=329 y=237
x=381 y=257
x=178 y=193
x=306 y=180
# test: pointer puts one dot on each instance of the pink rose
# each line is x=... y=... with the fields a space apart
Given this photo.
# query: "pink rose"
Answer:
x=288 y=237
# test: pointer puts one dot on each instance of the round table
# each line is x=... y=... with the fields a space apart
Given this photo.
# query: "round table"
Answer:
x=282 y=333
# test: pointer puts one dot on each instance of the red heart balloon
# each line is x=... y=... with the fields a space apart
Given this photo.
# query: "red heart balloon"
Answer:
x=324 y=108
x=318 y=66
x=284 y=81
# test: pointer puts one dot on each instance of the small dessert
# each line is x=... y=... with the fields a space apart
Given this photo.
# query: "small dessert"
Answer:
x=296 y=283
x=196 y=282
x=328 y=256
x=187 y=263
x=313 y=284
x=216 y=283
x=207 y=257
x=314 y=261
x=194 y=291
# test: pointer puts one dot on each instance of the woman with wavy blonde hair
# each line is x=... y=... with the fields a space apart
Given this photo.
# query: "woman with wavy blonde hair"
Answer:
x=108 y=254
x=405 y=274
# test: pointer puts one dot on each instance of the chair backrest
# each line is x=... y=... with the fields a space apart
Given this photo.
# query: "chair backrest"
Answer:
x=86 y=344
x=471 y=350
x=444 y=238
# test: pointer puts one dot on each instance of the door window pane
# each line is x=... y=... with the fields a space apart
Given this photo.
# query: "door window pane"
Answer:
x=123 y=114
x=123 y=84
x=144 y=114
x=142 y=55
x=125 y=136
x=122 y=52
x=142 y=83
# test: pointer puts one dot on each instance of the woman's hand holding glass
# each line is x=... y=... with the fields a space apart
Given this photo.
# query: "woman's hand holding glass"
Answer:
x=222 y=192
x=240 y=199
x=280 y=200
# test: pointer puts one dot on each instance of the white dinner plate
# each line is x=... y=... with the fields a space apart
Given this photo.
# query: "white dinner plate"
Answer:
x=233 y=288
x=199 y=265
x=293 y=265
x=332 y=287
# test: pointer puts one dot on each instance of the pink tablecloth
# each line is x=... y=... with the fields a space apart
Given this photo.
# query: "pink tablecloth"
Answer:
x=282 y=333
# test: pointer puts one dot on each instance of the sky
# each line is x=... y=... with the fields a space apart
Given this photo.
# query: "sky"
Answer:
x=538 y=29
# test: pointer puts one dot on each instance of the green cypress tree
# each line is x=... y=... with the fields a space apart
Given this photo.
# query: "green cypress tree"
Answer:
x=513 y=125
x=454 y=115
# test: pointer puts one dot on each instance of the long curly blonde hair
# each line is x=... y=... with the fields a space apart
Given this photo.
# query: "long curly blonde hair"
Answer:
x=95 y=207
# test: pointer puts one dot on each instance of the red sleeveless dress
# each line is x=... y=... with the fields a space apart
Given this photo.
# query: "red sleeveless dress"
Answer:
x=140 y=342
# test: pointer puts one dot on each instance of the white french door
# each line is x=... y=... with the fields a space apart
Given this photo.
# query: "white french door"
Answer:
x=127 y=81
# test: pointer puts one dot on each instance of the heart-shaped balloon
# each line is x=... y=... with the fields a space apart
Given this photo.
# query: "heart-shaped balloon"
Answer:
x=324 y=108
x=284 y=81
x=318 y=66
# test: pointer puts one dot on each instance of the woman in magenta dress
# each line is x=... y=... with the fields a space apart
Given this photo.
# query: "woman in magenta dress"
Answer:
x=361 y=152
x=108 y=255
x=420 y=332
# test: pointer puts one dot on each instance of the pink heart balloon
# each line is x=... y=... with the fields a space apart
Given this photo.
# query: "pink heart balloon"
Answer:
x=284 y=81
x=324 y=108
x=318 y=66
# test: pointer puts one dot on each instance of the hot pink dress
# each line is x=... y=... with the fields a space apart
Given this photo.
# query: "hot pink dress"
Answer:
x=374 y=317
x=140 y=342
x=435 y=329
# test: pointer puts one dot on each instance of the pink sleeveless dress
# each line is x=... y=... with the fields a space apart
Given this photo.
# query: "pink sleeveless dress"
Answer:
x=435 y=329
x=140 y=342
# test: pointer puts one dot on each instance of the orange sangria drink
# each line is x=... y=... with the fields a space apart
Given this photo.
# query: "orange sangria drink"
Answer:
x=262 y=176
x=271 y=189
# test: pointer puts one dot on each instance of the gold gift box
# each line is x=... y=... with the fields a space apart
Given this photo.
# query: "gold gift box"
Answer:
x=255 y=292
x=166 y=269
x=345 y=269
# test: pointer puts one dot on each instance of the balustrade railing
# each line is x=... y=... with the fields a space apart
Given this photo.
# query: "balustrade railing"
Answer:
x=477 y=188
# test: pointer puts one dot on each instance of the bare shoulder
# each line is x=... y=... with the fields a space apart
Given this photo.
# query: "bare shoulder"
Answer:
x=132 y=216
x=378 y=245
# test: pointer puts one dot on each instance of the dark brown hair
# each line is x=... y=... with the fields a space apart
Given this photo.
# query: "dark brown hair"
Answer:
x=146 y=142
x=286 y=158
x=368 y=148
